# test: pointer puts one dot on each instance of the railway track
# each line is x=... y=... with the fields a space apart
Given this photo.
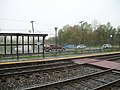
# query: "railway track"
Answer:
x=102 y=80
x=29 y=68
x=114 y=57
x=60 y=75
x=24 y=64
x=24 y=80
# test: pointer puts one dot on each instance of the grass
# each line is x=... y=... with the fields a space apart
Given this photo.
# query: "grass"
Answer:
x=66 y=53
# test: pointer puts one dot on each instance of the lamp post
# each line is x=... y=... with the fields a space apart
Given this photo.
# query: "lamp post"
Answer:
x=119 y=39
x=111 y=38
x=56 y=38
x=32 y=26
x=82 y=31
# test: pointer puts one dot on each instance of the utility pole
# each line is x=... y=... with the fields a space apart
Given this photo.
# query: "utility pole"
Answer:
x=82 y=32
x=56 y=38
x=119 y=39
x=111 y=39
x=32 y=26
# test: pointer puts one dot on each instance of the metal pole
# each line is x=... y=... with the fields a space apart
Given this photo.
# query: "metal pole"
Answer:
x=33 y=44
x=56 y=38
x=17 y=47
x=28 y=44
x=43 y=53
x=22 y=44
x=32 y=26
x=38 y=46
x=5 y=42
x=82 y=31
x=119 y=41
x=11 y=46
x=118 y=35
x=111 y=38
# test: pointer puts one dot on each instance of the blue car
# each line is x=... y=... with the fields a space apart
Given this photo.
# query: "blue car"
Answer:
x=69 y=46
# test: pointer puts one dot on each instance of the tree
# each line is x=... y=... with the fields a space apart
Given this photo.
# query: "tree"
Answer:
x=84 y=33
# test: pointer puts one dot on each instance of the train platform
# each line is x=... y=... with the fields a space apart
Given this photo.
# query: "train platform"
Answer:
x=73 y=57
x=107 y=64
x=83 y=61
x=100 y=63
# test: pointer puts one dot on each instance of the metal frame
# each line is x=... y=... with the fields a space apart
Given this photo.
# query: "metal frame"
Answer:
x=22 y=35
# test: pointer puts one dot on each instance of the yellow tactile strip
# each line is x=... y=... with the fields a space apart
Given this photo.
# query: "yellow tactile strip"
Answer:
x=57 y=58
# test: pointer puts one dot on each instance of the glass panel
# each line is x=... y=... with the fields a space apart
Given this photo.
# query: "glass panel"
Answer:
x=25 y=40
x=40 y=44
x=1 y=39
x=14 y=49
x=25 y=48
x=36 y=40
x=41 y=48
x=36 y=48
x=30 y=48
x=14 y=39
x=20 y=40
x=31 y=40
x=8 y=49
x=20 y=48
x=8 y=40
x=1 y=49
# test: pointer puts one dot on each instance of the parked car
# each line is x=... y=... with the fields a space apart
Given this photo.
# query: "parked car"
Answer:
x=69 y=46
x=106 y=46
x=81 y=46
x=53 y=48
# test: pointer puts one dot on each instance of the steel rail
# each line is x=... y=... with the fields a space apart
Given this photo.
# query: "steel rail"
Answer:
x=113 y=58
x=69 y=80
x=106 y=56
x=108 y=85
x=35 y=66
x=38 y=70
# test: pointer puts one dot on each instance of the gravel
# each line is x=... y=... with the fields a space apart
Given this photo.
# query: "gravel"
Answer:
x=91 y=83
x=33 y=67
x=45 y=77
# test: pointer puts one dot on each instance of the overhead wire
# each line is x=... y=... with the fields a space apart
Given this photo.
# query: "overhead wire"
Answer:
x=18 y=20
x=15 y=20
x=12 y=29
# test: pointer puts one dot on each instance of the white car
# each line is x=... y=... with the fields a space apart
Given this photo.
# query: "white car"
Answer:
x=82 y=46
x=106 y=46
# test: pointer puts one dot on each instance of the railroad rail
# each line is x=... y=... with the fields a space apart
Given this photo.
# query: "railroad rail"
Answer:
x=60 y=74
x=45 y=76
x=31 y=68
x=114 y=57
x=109 y=85
x=94 y=82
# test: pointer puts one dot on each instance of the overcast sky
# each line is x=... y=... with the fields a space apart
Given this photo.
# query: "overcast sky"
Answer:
x=15 y=15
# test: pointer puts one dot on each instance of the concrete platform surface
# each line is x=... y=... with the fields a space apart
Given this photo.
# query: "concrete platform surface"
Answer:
x=82 y=61
x=106 y=64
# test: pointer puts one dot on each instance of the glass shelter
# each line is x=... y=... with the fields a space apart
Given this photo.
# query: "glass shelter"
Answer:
x=19 y=44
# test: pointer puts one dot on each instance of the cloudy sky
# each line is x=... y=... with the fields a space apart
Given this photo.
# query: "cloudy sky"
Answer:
x=15 y=15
